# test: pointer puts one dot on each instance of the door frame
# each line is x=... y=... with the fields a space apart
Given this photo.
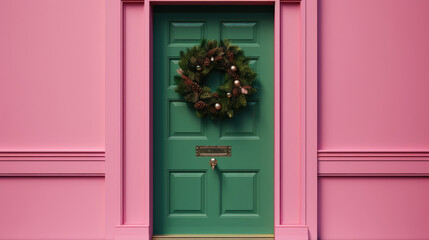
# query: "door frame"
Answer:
x=128 y=92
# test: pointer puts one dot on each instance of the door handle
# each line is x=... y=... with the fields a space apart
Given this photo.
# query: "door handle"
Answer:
x=213 y=163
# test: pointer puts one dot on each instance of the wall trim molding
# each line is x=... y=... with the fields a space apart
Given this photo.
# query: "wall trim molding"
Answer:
x=373 y=174
x=52 y=155
x=52 y=174
x=324 y=155
x=373 y=163
x=373 y=155
x=52 y=163
x=52 y=168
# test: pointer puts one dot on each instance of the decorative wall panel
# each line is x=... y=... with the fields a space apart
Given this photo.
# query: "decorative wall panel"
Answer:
x=52 y=75
x=52 y=208
x=373 y=208
x=373 y=76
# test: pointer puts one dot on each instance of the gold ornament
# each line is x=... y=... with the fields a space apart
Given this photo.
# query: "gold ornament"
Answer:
x=228 y=94
x=218 y=106
x=237 y=83
x=233 y=68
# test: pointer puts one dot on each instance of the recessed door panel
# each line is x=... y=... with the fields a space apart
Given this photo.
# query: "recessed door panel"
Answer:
x=189 y=203
x=239 y=193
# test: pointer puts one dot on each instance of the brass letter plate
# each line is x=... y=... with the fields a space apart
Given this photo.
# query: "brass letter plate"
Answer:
x=213 y=151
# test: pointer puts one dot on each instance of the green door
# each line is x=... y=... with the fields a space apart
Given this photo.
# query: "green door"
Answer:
x=238 y=196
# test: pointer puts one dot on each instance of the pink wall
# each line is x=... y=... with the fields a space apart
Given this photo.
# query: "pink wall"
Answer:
x=373 y=101
x=52 y=208
x=373 y=75
x=374 y=208
x=52 y=119
x=351 y=139
x=52 y=73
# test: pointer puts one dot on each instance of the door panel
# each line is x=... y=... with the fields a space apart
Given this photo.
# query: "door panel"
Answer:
x=190 y=197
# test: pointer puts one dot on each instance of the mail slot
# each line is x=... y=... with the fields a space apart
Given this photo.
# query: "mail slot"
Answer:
x=213 y=151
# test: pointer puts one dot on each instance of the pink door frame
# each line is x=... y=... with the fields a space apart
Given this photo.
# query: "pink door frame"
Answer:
x=129 y=126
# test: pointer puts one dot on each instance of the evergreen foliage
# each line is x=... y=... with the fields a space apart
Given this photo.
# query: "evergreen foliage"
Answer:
x=197 y=62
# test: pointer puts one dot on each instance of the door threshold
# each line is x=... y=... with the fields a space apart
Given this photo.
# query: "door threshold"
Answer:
x=212 y=236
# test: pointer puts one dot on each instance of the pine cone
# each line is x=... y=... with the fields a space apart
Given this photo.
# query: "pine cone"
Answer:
x=206 y=62
x=193 y=60
x=188 y=83
x=212 y=52
x=233 y=74
x=196 y=88
x=235 y=92
x=200 y=105
x=230 y=56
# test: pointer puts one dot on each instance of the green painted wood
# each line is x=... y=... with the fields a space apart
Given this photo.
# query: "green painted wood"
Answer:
x=189 y=197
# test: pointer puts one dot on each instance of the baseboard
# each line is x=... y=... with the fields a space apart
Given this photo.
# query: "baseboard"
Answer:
x=286 y=232
x=132 y=232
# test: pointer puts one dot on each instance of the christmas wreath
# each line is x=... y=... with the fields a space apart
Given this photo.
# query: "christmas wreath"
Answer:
x=197 y=62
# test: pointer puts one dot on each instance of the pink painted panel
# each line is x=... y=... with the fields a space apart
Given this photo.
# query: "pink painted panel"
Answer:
x=309 y=120
x=52 y=75
x=291 y=169
x=114 y=128
x=373 y=75
x=52 y=208
x=135 y=115
x=373 y=208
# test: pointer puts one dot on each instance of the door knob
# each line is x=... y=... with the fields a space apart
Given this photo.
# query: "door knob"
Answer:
x=213 y=163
